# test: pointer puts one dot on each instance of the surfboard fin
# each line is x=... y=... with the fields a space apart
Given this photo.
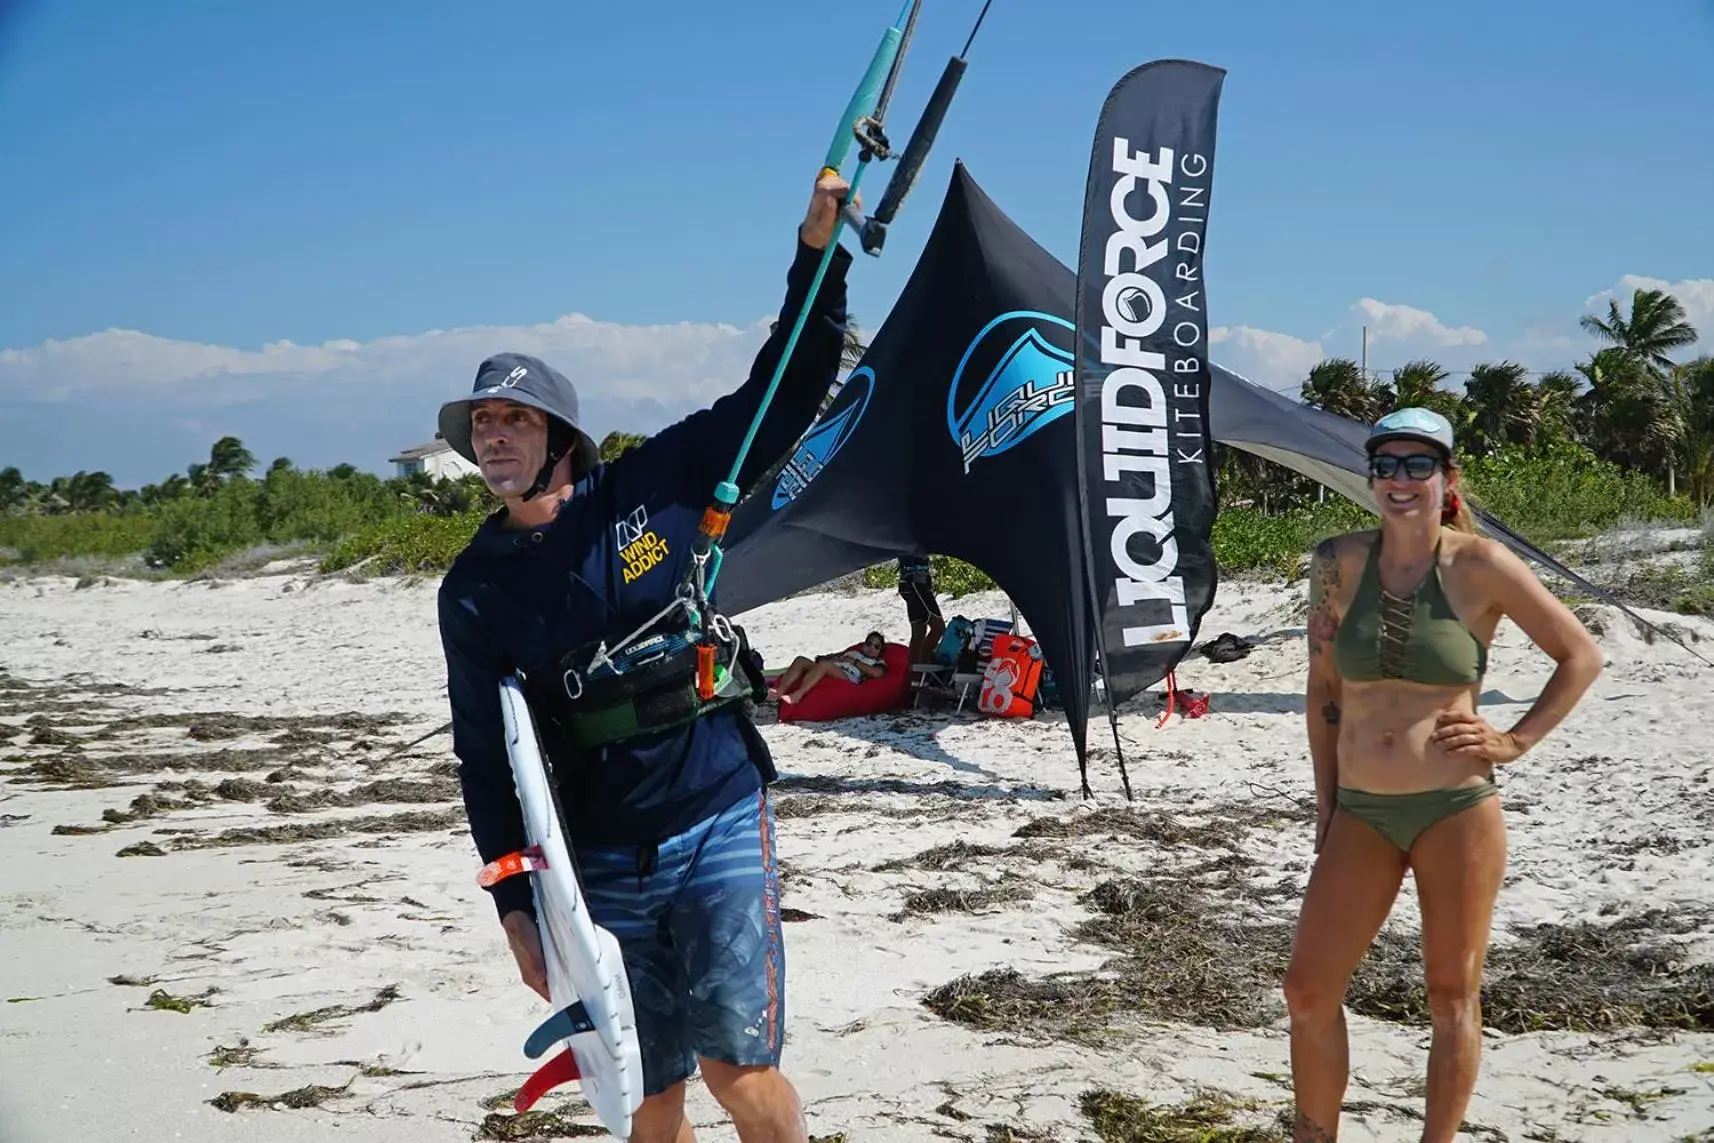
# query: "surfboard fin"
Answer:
x=511 y=865
x=561 y=1069
x=569 y=1021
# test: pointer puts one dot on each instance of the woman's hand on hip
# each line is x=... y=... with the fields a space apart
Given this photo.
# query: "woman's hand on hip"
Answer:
x=1469 y=735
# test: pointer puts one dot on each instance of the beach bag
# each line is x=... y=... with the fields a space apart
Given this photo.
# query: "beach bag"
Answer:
x=953 y=640
x=1013 y=673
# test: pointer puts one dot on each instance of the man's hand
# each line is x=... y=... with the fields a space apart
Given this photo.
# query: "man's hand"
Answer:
x=1469 y=736
x=816 y=230
x=526 y=942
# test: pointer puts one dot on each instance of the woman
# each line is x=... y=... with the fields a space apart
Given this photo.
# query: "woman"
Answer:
x=856 y=664
x=1400 y=620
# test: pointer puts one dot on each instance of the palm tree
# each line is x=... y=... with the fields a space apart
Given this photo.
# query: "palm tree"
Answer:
x=1505 y=408
x=855 y=347
x=1656 y=326
x=616 y=444
x=229 y=458
x=1338 y=386
x=14 y=494
x=1626 y=413
x=1556 y=406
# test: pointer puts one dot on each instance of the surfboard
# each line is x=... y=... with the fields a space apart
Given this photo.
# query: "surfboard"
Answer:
x=591 y=995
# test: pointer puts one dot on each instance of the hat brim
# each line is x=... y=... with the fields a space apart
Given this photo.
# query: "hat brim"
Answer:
x=454 y=423
x=1379 y=439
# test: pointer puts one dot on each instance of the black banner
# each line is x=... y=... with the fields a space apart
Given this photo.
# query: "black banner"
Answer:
x=1145 y=474
x=954 y=435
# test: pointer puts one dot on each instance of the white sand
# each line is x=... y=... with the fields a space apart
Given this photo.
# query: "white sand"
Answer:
x=1613 y=812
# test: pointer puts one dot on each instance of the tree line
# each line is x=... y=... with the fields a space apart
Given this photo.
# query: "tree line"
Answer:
x=1628 y=403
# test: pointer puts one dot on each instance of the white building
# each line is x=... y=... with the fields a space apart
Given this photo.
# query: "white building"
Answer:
x=436 y=459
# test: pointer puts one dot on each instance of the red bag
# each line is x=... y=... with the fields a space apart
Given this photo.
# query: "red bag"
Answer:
x=1013 y=673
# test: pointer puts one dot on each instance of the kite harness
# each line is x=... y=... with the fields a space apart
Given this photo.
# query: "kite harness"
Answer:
x=688 y=660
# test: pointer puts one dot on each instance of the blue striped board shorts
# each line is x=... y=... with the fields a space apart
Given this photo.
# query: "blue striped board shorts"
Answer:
x=700 y=931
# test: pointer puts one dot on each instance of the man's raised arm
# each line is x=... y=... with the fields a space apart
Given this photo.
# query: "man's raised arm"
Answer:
x=696 y=453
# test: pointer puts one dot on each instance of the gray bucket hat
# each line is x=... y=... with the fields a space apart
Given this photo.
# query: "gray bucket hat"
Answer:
x=528 y=381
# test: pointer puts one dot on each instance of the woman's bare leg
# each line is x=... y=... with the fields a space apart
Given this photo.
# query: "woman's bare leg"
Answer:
x=815 y=674
x=790 y=676
x=1351 y=890
x=1458 y=863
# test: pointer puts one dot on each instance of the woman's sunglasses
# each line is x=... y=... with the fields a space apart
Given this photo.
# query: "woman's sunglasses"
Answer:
x=1417 y=466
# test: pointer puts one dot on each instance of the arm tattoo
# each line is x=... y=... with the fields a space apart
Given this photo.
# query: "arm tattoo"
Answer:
x=1323 y=585
x=1330 y=714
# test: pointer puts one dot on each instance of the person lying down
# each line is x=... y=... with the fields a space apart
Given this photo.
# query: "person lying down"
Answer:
x=855 y=663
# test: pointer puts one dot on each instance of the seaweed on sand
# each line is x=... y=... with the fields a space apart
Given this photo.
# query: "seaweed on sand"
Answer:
x=1182 y=956
x=312 y=1020
x=977 y=900
x=1580 y=977
x=1209 y=1117
x=942 y=858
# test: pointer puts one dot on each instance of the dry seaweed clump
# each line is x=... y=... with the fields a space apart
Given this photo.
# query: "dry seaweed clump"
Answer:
x=1225 y=827
x=310 y=1095
x=309 y=1021
x=943 y=900
x=1066 y=1006
x=533 y=1125
x=1185 y=956
x=1582 y=977
x=942 y=858
x=1181 y=957
x=1210 y=1117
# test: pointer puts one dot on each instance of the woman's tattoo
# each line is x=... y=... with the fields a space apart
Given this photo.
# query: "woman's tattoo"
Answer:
x=1323 y=583
x=1306 y=1131
x=1330 y=714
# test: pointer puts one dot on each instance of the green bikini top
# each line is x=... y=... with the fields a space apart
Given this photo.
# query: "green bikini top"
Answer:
x=1419 y=637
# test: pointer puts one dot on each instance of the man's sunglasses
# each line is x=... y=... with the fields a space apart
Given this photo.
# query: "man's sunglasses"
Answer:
x=1417 y=466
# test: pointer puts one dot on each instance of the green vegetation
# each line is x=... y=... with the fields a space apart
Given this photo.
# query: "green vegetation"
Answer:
x=1626 y=435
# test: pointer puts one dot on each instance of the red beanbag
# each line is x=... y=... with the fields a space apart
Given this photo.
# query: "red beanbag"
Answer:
x=838 y=697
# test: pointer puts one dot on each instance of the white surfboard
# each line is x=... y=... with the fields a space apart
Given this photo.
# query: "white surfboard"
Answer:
x=586 y=971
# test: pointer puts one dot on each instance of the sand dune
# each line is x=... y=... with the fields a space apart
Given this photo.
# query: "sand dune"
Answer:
x=234 y=909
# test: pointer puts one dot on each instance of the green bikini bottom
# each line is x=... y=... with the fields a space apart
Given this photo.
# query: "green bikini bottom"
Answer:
x=1401 y=818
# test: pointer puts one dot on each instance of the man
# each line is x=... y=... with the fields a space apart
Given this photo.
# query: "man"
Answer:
x=672 y=829
x=916 y=584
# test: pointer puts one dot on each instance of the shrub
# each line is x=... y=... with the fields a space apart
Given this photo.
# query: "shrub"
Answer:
x=1560 y=490
x=110 y=534
x=953 y=576
x=405 y=544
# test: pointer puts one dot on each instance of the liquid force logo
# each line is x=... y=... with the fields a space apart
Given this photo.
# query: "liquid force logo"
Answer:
x=1151 y=422
x=1014 y=380
x=825 y=438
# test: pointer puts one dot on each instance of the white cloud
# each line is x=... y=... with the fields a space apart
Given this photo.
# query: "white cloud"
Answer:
x=1389 y=322
x=125 y=401
x=1274 y=360
x=664 y=362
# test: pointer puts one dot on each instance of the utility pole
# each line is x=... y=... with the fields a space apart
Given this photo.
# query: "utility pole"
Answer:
x=1365 y=365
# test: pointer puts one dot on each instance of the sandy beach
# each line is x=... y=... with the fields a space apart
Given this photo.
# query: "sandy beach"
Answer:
x=234 y=908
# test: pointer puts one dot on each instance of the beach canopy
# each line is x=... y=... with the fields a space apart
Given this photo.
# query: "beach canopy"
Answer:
x=955 y=435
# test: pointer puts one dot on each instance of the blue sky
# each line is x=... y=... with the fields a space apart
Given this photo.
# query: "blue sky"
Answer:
x=189 y=182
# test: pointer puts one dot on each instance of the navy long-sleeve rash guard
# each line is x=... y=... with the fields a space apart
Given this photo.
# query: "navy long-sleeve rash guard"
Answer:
x=611 y=558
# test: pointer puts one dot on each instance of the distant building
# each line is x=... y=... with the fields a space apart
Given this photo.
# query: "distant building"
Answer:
x=436 y=459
